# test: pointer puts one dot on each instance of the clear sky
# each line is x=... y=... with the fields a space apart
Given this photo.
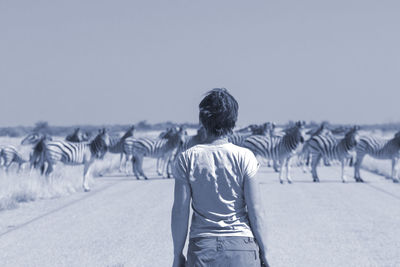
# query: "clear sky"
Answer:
x=95 y=61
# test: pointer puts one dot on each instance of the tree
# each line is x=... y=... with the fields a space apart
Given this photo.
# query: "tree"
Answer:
x=42 y=127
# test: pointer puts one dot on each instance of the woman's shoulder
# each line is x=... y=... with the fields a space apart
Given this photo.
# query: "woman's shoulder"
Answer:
x=240 y=150
x=229 y=148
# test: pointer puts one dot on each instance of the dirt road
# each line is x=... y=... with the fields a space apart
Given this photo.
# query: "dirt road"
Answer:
x=126 y=222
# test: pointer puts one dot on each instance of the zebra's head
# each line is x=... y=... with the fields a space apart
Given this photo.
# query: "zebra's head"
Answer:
x=99 y=145
x=260 y=129
x=352 y=137
x=397 y=138
x=164 y=134
x=76 y=136
x=175 y=135
x=269 y=128
x=129 y=132
x=296 y=132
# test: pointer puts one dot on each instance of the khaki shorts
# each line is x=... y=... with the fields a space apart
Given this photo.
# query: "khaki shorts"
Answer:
x=229 y=251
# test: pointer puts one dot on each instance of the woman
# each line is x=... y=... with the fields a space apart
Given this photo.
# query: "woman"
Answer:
x=227 y=227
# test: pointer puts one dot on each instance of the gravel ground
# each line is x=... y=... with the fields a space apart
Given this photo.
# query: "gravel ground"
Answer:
x=126 y=222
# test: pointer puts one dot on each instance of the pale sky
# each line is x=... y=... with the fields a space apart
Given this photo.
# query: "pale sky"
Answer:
x=104 y=62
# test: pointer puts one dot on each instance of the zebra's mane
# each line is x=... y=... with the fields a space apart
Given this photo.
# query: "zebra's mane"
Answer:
x=128 y=133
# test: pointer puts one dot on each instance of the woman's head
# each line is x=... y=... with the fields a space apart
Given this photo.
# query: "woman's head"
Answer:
x=218 y=112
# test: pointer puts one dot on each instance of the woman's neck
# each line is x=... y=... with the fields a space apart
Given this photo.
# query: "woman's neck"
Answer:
x=213 y=139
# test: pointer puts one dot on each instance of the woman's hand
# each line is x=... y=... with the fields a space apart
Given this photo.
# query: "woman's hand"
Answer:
x=264 y=261
x=179 y=261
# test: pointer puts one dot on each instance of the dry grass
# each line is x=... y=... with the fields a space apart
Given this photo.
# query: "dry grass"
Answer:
x=16 y=188
x=27 y=186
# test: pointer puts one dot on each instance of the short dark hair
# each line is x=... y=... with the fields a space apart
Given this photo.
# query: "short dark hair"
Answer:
x=218 y=112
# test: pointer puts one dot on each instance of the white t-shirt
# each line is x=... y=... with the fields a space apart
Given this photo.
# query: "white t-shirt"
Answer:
x=215 y=174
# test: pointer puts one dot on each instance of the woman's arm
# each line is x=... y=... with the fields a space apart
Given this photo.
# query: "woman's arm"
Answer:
x=256 y=214
x=180 y=220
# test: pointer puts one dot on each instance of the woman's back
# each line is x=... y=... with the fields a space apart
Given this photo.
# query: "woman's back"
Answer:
x=215 y=173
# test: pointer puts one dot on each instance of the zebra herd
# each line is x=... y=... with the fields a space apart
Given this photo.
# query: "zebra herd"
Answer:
x=278 y=148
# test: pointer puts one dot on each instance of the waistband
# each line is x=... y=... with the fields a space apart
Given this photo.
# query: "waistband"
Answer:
x=222 y=238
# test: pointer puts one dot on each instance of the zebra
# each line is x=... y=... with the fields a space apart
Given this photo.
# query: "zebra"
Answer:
x=77 y=136
x=379 y=149
x=164 y=163
x=117 y=145
x=38 y=141
x=137 y=149
x=238 y=137
x=305 y=156
x=74 y=154
x=279 y=149
x=9 y=155
x=326 y=146
x=255 y=129
x=190 y=141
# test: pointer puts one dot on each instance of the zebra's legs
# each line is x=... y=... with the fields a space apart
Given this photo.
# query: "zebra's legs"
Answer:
x=135 y=167
x=139 y=166
x=343 y=162
x=281 y=171
x=49 y=170
x=357 y=166
x=327 y=163
x=269 y=165
x=121 y=158
x=276 y=165
x=160 y=162
x=287 y=163
x=169 y=167
x=127 y=159
x=7 y=166
x=45 y=170
x=162 y=165
x=20 y=165
x=394 y=170
x=86 y=171
x=306 y=159
x=314 y=163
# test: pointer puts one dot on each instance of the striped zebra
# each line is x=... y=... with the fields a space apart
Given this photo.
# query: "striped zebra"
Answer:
x=164 y=163
x=10 y=155
x=305 y=156
x=69 y=153
x=238 y=137
x=256 y=129
x=379 y=149
x=38 y=141
x=137 y=149
x=190 y=141
x=279 y=149
x=326 y=146
x=117 y=145
x=77 y=136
